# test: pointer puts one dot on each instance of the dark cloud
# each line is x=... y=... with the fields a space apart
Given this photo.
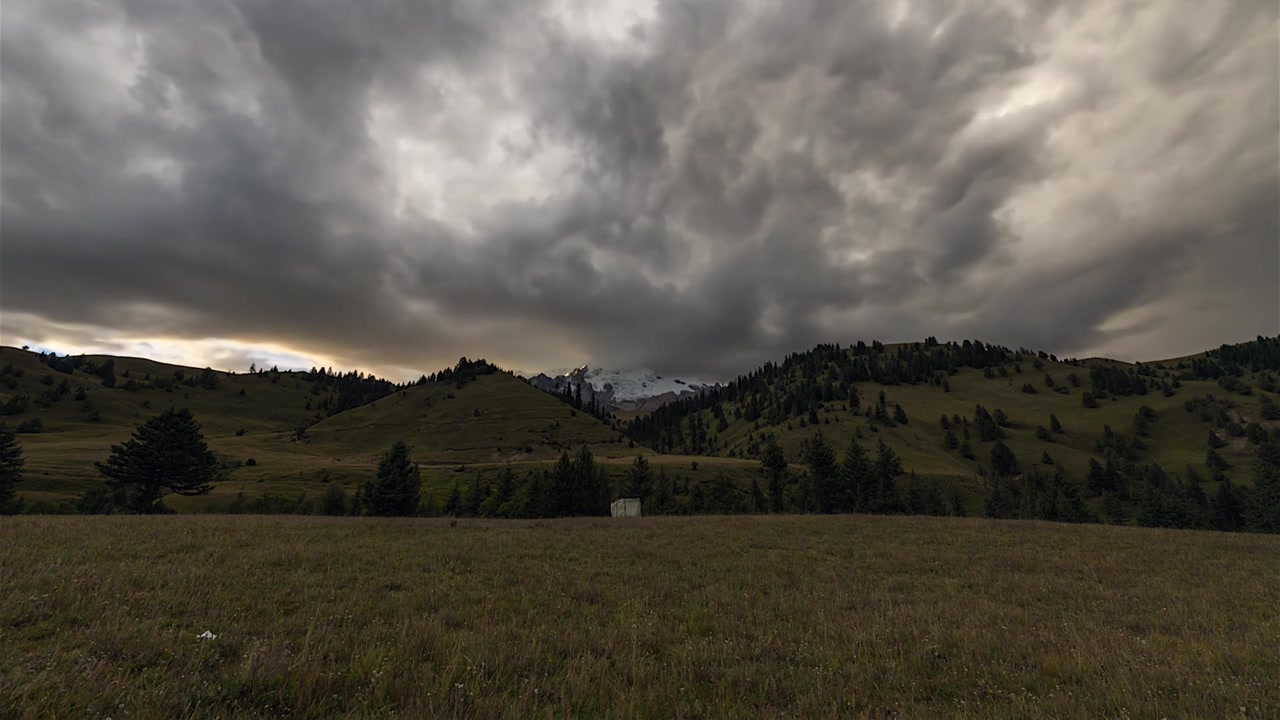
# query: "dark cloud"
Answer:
x=393 y=184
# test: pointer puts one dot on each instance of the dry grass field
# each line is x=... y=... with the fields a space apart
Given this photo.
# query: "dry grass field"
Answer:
x=765 y=616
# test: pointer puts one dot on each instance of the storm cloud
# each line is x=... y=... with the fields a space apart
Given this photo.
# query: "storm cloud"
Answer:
x=695 y=187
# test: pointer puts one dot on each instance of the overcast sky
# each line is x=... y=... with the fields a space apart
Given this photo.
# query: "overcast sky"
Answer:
x=695 y=187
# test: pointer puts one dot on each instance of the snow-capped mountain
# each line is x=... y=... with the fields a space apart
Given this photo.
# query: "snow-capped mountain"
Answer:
x=621 y=389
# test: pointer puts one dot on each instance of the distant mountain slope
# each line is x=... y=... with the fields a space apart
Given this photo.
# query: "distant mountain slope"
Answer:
x=837 y=391
x=613 y=390
x=492 y=419
x=68 y=418
x=225 y=402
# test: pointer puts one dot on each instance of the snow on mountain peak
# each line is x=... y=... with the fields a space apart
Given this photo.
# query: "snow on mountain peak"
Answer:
x=635 y=384
x=629 y=384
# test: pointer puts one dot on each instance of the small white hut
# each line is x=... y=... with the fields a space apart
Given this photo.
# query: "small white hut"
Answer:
x=625 y=507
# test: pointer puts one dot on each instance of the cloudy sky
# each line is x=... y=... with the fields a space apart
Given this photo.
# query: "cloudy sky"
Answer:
x=694 y=186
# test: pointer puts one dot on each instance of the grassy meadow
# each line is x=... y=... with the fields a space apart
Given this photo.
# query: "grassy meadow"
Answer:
x=758 y=616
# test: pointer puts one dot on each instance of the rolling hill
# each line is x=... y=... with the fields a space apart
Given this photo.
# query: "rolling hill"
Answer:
x=940 y=407
x=1174 y=440
x=270 y=427
x=1129 y=419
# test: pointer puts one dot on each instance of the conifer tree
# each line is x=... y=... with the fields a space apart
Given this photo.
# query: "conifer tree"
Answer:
x=592 y=485
x=334 y=500
x=477 y=493
x=638 y=482
x=357 y=501
x=899 y=415
x=859 y=481
x=503 y=490
x=1003 y=461
x=824 y=475
x=562 y=491
x=774 y=465
x=397 y=488
x=888 y=467
x=758 y=502
x=167 y=454
x=453 y=503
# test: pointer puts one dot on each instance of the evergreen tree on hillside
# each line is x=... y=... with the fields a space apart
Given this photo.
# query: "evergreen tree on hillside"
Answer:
x=824 y=475
x=987 y=425
x=663 y=501
x=1001 y=500
x=774 y=466
x=563 y=502
x=334 y=500
x=758 y=502
x=859 y=481
x=591 y=484
x=497 y=504
x=887 y=468
x=107 y=371
x=1226 y=513
x=638 y=482
x=453 y=503
x=10 y=470
x=1267 y=408
x=1101 y=479
x=166 y=454
x=397 y=488
x=1262 y=510
x=1217 y=466
x=1003 y=462
x=357 y=501
x=1054 y=424
x=477 y=493
x=899 y=415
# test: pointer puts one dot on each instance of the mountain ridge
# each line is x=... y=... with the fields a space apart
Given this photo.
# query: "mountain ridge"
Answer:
x=639 y=390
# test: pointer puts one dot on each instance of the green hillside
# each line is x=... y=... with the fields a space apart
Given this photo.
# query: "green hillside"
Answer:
x=497 y=418
x=276 y=420
x=1176 y=438
x=1140 y=417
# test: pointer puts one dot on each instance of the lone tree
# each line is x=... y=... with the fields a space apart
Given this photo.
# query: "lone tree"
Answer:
x=10 y=469
x=167 y=454
x=397 y=489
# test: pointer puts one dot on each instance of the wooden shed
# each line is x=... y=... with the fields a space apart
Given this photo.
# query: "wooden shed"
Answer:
x=625 y=507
